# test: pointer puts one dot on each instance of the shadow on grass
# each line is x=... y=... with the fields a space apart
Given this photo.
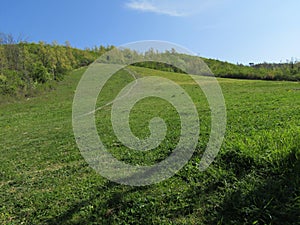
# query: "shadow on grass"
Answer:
x=226 y=197
x=99 y=208
x=275 y=199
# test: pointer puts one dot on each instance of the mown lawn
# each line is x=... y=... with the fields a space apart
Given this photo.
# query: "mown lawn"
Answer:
x=254 y=180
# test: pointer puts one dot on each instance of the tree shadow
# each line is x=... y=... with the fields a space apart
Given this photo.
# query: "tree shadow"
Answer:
x=104 y=201
x=275 y=199
x=272 y=198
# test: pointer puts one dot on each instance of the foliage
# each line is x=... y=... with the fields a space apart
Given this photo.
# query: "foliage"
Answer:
x=265 y=71
x=172 y=61
x=34 y=64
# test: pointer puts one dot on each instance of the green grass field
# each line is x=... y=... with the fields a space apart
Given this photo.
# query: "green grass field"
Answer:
x=254 y=180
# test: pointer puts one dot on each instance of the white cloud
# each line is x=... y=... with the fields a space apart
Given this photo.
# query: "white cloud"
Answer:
x=146 y=6
x=176 y=8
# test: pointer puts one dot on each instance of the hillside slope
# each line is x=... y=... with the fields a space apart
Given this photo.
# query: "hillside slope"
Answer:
x=254 y=180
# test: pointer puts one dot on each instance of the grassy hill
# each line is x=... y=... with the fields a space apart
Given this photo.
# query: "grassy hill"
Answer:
x=26 y=69
x=254 y=180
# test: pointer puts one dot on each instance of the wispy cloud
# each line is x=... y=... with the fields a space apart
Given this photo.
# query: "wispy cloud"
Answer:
x=176 y=8
x=146 y=6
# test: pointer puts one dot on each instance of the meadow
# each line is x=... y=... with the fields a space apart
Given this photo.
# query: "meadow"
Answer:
x=255 y=178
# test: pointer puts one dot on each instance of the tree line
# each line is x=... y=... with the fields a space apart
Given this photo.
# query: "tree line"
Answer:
x=25 y=66
x=289 y=71
x=172 y=61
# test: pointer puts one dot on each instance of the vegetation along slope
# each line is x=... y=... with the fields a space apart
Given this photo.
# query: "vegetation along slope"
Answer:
x=254 y=180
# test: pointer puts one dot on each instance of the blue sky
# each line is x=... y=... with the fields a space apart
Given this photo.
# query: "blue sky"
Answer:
x=233 y=30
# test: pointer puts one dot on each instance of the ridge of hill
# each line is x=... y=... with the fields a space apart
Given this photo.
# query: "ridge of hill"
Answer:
x=27 y=67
